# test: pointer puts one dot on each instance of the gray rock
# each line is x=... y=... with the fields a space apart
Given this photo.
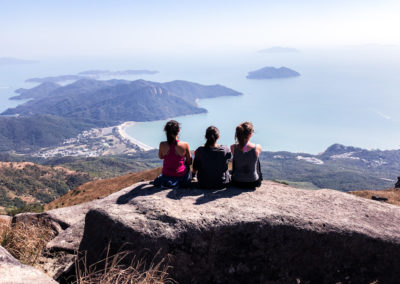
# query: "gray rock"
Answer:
x=68 y=223
x=12 y=271
x=273 y=233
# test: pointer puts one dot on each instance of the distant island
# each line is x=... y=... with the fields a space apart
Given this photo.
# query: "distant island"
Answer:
x=272 y=73
x=118 y=73
x=55 y=79
x=13 y=61
x=94 y=74
x=279 y=49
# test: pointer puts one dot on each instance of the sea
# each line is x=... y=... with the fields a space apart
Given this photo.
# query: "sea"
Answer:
x=347 y=95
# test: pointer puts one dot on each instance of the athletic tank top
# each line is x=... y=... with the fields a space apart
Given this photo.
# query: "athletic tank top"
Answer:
x=173 y=164
x=245 y=165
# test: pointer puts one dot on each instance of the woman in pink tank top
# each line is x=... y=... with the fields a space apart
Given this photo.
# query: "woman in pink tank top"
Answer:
x=177 y=159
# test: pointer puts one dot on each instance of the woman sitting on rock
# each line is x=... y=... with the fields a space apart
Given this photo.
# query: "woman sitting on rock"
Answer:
x=246 y=170
x=211 y=162
x=177 y=159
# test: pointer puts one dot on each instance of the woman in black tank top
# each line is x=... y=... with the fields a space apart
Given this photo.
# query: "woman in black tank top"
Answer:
x=246 y=171
x=211 y=162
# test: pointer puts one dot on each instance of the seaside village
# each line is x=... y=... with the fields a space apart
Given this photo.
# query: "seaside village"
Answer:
x=92 y=143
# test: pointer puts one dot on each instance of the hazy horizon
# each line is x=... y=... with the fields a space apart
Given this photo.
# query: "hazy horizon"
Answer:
x=35 y=29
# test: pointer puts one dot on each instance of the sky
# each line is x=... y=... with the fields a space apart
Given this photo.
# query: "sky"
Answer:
x=79 y=27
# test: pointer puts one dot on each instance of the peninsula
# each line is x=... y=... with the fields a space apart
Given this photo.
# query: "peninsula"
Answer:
x=272 y=73
x=57 y=112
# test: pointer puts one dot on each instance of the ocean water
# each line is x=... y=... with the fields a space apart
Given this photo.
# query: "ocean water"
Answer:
x=348 y=95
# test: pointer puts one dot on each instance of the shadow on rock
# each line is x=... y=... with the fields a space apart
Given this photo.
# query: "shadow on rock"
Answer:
x=206 y=195
x=141 y=190
x=228 y=192
x=178 y=193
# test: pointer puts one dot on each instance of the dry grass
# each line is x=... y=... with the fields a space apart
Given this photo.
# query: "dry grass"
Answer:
x=114 y=270
x=4 y=228
x=26 y=242
x=393 y=195
x=100 y=188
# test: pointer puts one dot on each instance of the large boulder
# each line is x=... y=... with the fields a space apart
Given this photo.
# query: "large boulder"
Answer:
x=274 y=233
x=13 y=272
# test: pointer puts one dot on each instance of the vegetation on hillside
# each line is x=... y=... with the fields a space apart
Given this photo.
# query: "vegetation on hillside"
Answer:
x=27 y=184
x=29 y=133
x=101 y=188
x=391 y=195
x=364 y=170
x=108 y=166
x=120 y=100
x=339 y=167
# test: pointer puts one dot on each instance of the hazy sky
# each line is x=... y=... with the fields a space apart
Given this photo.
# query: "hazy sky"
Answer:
x=30 y=28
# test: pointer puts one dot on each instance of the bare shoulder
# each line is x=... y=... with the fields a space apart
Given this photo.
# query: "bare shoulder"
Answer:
x=258 y=149
x=183 y=144
x=164 y=144
x=232 y=148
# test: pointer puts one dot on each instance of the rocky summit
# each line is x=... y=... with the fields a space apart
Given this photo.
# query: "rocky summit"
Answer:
x=273 y=233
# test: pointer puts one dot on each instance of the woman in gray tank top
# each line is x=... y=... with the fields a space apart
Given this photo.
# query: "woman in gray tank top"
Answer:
x=246 y=171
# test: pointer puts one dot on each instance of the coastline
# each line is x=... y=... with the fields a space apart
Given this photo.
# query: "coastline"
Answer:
x=124 y=135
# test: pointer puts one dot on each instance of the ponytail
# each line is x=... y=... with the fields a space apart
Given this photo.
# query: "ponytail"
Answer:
x=212 y=135
x=172 y=129
x=243 y=132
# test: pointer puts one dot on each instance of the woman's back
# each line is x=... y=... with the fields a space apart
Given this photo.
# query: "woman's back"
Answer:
x=212 y=166
x=174 y=158
x=245 y=165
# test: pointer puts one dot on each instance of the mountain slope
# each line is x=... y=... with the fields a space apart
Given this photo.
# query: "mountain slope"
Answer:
x=40 y=91
x=101 y=188
x=119 y=100
x=28 y=183
x=339 y=167
x=28 y=133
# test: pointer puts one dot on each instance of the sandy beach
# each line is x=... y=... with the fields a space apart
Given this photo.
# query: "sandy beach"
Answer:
x=121 y=130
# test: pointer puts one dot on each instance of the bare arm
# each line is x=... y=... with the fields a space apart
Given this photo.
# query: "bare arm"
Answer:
x=258 y=150
x=188 y=155
x=161 y=153
x=195 y=162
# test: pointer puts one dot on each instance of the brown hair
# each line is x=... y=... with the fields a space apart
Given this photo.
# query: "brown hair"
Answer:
x=172 y=129
x=243 y=132
x=212 y=135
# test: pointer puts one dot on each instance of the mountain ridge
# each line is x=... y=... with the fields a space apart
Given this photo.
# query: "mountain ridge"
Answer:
x=119 y=100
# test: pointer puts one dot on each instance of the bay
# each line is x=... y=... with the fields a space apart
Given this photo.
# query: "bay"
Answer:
x=344 y=95
x=349 y=96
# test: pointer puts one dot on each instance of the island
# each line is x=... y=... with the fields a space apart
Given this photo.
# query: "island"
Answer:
x=118 y=73
x=94 y=74
x=272 y=73
x=55 y=79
